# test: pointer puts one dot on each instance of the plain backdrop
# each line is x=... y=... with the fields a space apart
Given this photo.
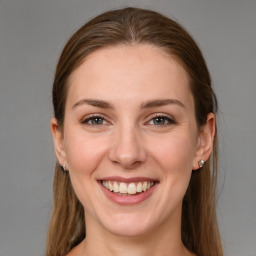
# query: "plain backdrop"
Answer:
x=32 y=34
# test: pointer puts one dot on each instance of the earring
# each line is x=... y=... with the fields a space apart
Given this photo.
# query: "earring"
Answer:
x=63 y=167
x=201 y=163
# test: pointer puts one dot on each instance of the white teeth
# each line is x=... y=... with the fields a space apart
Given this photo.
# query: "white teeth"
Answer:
x=127 y=188
x=131 y=189
x=116 y=187
x=123 y=188
x=144 y=186
x=110 y=187
x=139 y=187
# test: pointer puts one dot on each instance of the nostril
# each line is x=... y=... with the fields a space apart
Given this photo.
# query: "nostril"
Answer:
x=128 y=165
x=127 y=150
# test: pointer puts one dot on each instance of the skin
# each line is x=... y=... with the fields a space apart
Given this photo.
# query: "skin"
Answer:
x=130 y=141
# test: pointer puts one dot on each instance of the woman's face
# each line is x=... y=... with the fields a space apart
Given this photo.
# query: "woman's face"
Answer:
x=129 y=127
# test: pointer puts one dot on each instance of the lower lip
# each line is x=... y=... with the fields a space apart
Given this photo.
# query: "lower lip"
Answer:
x=128 y=200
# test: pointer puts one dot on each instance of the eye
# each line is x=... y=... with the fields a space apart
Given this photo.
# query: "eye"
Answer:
x=94 y=120
x=161 y=121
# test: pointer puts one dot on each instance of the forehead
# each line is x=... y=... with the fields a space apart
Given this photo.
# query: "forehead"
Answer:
x=137 y=72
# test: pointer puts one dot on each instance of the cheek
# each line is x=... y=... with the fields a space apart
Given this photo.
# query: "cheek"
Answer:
x=175 y=157
x=178 y=167
x=175 y=153
x=83 y=152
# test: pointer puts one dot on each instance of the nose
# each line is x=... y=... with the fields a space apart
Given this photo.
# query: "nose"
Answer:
x=128 y=149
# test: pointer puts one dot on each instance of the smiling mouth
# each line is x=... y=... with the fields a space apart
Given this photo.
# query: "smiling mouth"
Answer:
x=128 y=189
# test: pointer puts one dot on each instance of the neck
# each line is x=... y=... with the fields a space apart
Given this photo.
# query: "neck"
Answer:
x=165 y=240
x=136 y=246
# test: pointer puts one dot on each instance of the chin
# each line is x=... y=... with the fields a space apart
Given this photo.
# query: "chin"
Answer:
x=128 y=230
x=128 y=225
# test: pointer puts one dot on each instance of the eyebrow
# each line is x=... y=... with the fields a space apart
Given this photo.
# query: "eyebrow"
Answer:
x=144 y=105
x=161 y=102
x=93 y=102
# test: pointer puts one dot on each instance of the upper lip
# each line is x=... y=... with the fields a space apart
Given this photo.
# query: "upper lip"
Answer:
x=127 y=180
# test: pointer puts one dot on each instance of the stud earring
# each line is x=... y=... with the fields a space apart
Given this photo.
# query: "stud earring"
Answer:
x=201 y=163
x=63 y=167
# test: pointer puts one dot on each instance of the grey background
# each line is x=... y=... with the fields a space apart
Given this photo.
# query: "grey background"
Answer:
x=32 y=34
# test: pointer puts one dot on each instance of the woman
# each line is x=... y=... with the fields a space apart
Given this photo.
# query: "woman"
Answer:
x=134 y=128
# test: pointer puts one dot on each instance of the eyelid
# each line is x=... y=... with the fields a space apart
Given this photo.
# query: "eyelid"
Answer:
x=168 y=117
x=85 y=119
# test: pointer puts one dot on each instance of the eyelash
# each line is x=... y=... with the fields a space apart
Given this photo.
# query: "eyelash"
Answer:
x=167 y=120
x=94 y=117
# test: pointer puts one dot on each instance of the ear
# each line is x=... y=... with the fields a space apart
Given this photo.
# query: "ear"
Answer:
x=205 y=140
x=57 y=136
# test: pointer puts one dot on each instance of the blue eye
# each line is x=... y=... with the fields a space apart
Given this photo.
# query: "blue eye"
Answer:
x=161 y=120
x=94 y=120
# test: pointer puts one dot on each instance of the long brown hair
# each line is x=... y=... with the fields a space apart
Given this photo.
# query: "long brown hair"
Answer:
x=130 y=26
